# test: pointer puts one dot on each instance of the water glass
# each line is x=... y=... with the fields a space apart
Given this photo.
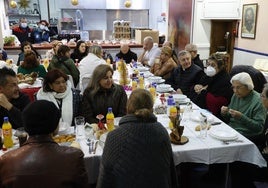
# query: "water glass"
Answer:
x=79 y=126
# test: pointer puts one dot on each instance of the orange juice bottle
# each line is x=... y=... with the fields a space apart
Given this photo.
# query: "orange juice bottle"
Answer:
x=7 y=133
x=141 y=81
x=173 y=113
x=152 y=90
x=134 y=84
x=110 y=119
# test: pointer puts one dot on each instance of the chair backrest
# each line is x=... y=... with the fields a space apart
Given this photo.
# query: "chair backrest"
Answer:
x=256 y=75
x=84 y=83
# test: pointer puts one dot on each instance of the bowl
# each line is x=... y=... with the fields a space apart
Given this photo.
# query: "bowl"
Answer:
x=179 y=97
x=163 y=87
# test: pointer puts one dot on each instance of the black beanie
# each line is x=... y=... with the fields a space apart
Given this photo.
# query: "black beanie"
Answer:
x=41 y=117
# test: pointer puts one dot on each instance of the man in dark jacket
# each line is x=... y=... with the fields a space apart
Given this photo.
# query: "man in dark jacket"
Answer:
x=23 y=32
x=12 y=101
x=126 y=54
x=192 y=48
x=40 y=161
x=186 y=75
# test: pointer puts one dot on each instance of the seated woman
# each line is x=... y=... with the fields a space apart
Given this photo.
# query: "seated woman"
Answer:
x=140 y=134
x=31 y=64
x=214 y=90
x=25 y=48
x=166 y=64
x=102 y=93
x=80 y=51
x=57 y=89
x=88 y=64
x=63 y=62
x=245 y=113
x=55 y=46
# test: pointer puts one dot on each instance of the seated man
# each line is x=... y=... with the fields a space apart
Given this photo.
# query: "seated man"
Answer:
x=12 y=101
x=40 y=161
x=150 y=52
x=186 y=75
x=192 y=48
x=165 y=65
x=126 y=54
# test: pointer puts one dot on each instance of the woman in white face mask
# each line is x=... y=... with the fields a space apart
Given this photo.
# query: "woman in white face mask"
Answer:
x=214 y=90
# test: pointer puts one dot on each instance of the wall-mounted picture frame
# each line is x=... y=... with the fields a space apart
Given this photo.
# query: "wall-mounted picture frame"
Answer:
x=249 y=21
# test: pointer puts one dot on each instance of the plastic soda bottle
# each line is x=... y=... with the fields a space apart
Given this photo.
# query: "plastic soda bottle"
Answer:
x=141 y=81
x=152 y=90
x=7 y=133
x=134 y=83
x=110 y=119
x=173 y=113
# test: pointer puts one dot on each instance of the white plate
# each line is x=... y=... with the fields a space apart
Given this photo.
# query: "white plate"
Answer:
x=179 y=97
x=157 y=82
x=164 y=90
x=196 y=116
x=147 y=74
x=221 y=134
x=143 y=69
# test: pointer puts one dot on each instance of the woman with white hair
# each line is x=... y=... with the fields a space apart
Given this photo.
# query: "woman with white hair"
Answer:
x=245 y=112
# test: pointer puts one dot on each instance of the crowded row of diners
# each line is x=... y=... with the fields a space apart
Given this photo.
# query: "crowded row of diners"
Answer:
x=137 y=153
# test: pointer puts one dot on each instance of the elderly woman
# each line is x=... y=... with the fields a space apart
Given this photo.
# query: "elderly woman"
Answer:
x=141 y=135
x=102 y=93
x=31 y=64
x=57 y=89
x=214 y=90
x=166 y=64
x=245 y=112
x=63 y=62
x=80 y=51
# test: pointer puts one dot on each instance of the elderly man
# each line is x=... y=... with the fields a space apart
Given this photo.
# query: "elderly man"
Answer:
x=23 y=32
x=165 y=65
x=150 y=52
x=126 y=54
x=192 y=48
x=12 y=101
x=186 y=75
x=40 y=161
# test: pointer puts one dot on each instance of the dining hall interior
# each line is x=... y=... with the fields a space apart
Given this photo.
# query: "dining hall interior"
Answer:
x=148 y=93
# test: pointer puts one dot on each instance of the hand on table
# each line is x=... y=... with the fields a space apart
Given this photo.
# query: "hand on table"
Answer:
x=179 y=91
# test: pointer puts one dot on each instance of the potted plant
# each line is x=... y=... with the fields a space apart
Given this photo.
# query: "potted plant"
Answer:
x=9 y=41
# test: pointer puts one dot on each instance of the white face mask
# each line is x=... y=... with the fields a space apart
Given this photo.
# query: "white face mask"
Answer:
x=210 y=71
x=23 y=25
x=42 y=27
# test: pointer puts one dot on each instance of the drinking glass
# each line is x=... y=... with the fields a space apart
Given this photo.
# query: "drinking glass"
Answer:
x=79 y=126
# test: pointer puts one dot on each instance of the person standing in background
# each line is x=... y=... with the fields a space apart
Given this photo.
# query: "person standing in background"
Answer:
x=192 y=48
x=150 y=52
x=126 y=54
x=22 y=31
x=41 y=33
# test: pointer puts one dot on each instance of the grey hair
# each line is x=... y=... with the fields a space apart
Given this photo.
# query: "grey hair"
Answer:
x=244 y=78
x=149 y=38
x=183 y=52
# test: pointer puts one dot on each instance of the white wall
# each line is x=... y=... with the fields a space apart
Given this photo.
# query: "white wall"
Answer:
x=4 y=24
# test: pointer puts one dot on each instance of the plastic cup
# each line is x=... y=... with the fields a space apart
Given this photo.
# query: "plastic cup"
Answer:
x=79 y=126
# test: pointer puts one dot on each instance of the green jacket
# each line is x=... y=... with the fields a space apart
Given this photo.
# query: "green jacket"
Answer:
x=253 y=114
x=40 y=70
x=67 y=66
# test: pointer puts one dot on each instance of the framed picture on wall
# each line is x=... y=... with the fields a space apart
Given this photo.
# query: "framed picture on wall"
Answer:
x=249 y=21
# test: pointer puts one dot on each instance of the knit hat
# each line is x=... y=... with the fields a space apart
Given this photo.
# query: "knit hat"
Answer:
x=40 y=117
x=244 y=78
x=4 y=54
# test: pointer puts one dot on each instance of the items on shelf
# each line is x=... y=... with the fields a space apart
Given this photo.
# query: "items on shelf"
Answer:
x=121 y=29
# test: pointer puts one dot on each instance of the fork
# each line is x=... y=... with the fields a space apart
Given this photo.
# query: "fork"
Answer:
x=227 y=142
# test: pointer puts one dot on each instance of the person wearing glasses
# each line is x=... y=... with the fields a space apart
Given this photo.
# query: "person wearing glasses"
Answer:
x=214 y=90
x=245 y=113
